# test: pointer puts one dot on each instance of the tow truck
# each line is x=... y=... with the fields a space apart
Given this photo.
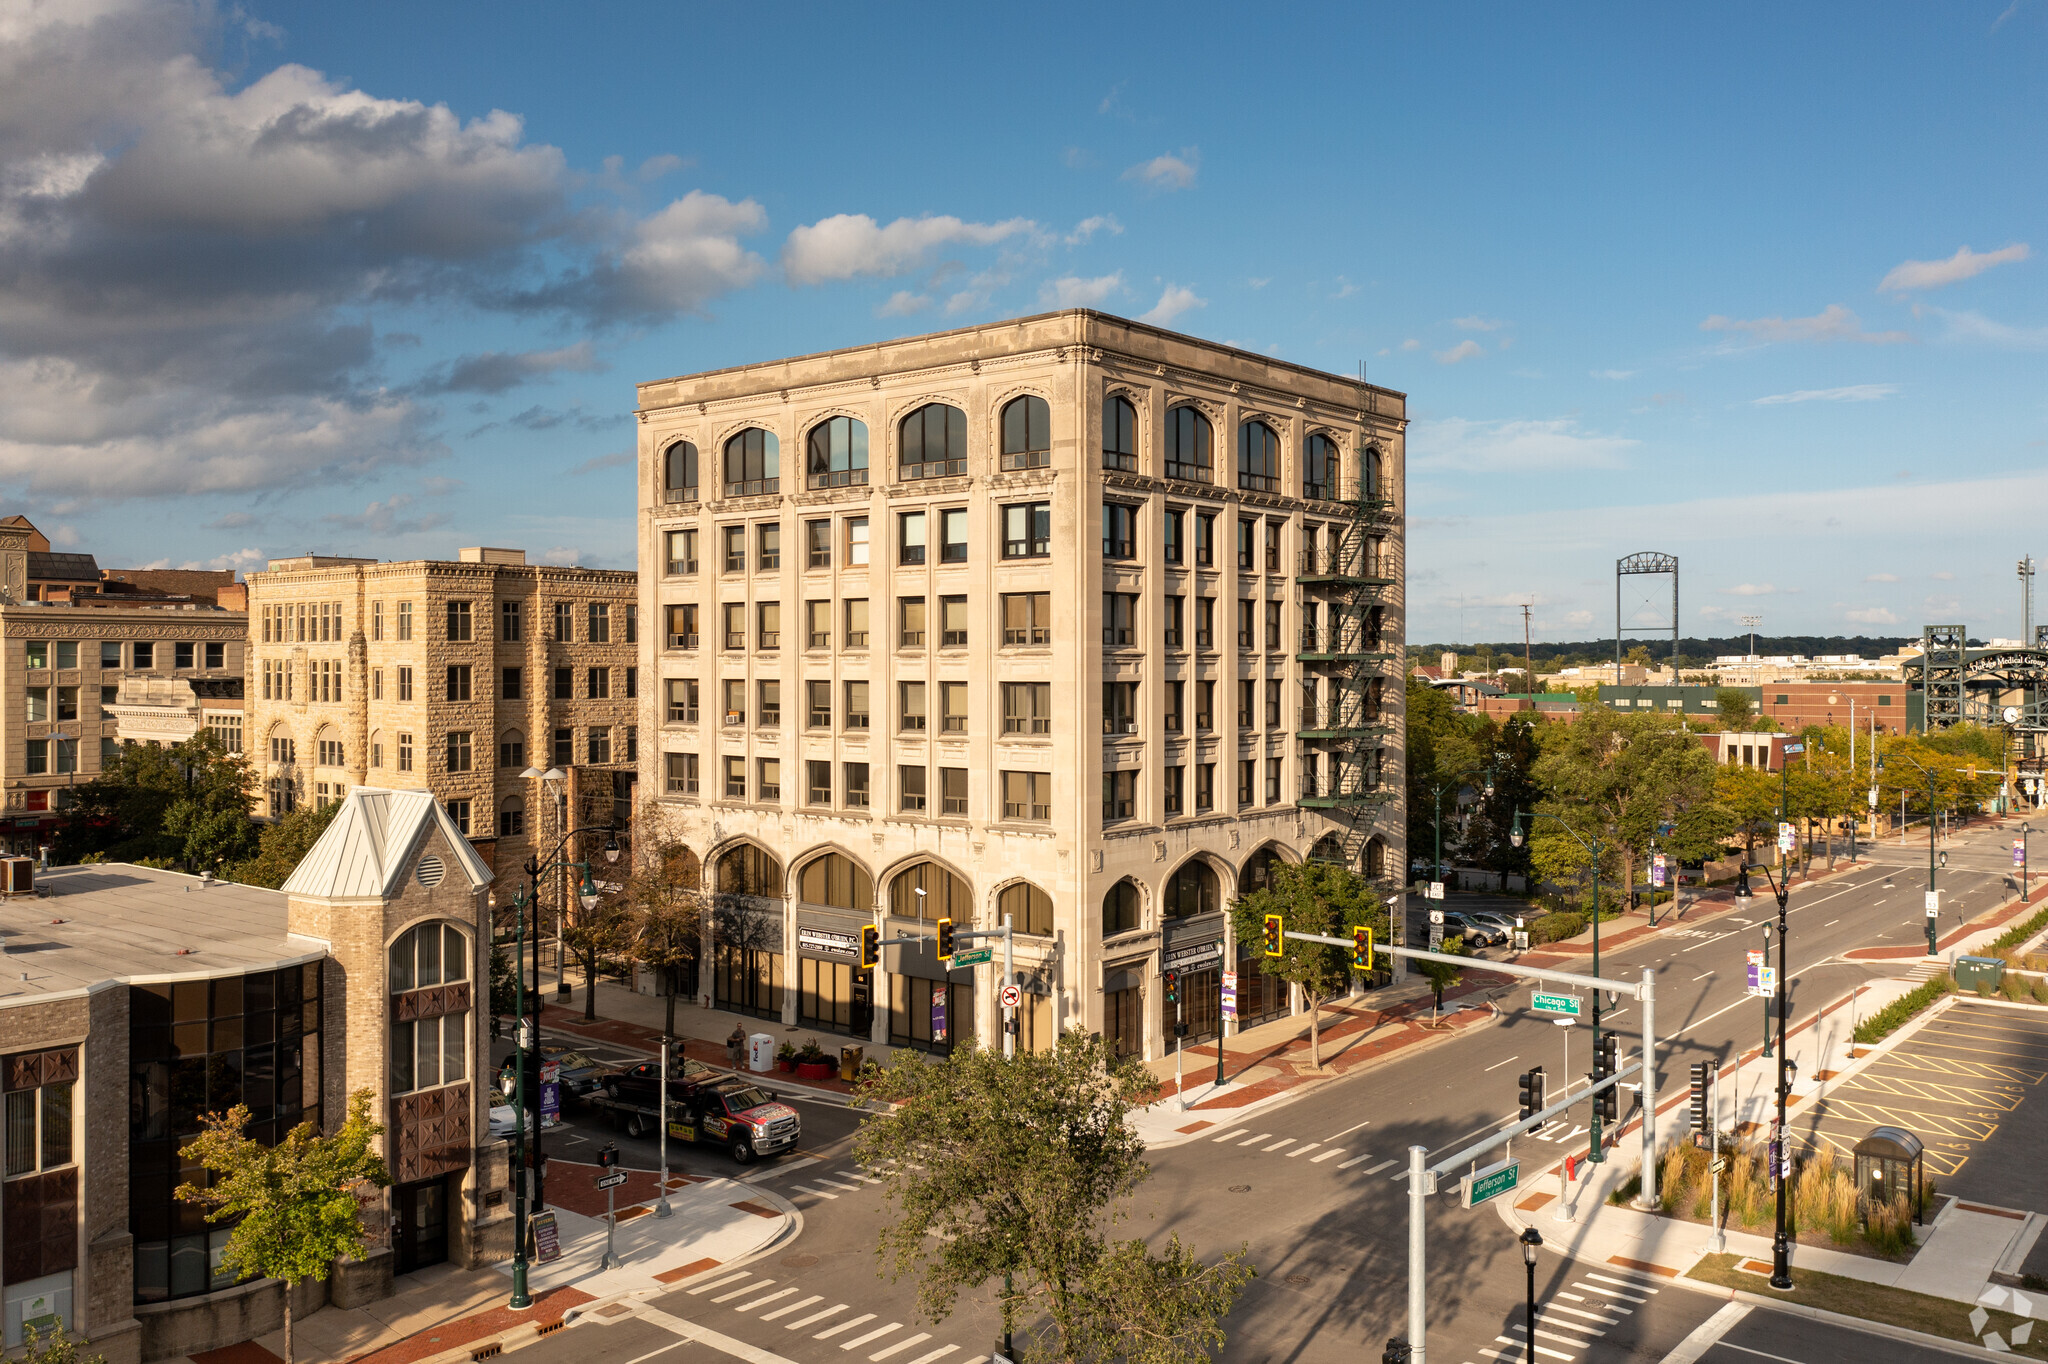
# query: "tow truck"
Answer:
x=704 y=1108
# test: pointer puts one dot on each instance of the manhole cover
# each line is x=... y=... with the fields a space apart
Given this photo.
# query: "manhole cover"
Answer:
x=1240 y=1188
x=799 y=1261
x=1299 y=1280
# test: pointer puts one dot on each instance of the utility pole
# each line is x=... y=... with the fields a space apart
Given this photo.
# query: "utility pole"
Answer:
x=1528 y=658
x=2026 y=570
x=1752 y=622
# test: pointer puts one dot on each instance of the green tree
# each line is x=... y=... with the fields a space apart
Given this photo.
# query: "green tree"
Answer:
x=664 y=897
x=1750 y=797
x=1311 y=897
x=54 y=1346
x=1738 y=710
x=283 y=845
x=1443 y=975
x=296 y=1200
x=1014 y=1169
x=187 y=804
x=1616 y=779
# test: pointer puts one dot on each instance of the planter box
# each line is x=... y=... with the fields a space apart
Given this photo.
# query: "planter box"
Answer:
x=815 y=1070
x=786 y=1067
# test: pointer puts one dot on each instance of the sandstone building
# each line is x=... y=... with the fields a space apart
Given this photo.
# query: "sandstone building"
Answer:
x=1066 y=618
x=449 y=677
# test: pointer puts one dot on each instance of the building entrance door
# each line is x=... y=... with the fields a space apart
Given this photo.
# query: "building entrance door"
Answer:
x=419 y=1231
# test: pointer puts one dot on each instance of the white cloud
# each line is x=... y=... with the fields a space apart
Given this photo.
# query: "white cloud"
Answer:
x=1457 y=445
x=1168 y=172
x=562 y=556
x=846 y=245
x=1614 y=374
x=1882 y=578
x=1088 y=227
x=1943 y=576
x=1832 y=323
x=1345 y=288
x=386 y=518
x=1072 y=291
x=903 y=303
x=1411 y=344
x=1259 y=281
x=1854 y=393
x=1465 y=350
x=1174 y=300
x=1477 y=324
x=496 y=371
x=1870 y=615
x=1974 y=326
x=1580 y=618
x=1938 y=274
x=1750 y=590
x=617 y=459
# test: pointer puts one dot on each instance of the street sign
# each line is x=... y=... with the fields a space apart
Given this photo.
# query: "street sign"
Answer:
x=547 y=1238
x=612 y=1180
x=1873 y=797
x=1490 y=1182
x=1436 y=937
x=1436 y=890
x=1933 y=903
x=1436 y=916
x=1012 y=996
x=1521 y=940
x=1230 y=994
x=973 y=956
x=1555 y=1004
x=1766 y=982
x=1788 y=838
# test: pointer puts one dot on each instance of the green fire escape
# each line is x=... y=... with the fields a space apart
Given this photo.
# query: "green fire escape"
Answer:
x=1348 y=693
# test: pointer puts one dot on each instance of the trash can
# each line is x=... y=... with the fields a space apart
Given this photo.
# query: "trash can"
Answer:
x=849 y=1062
x=1972 y=972
x=761 y=1052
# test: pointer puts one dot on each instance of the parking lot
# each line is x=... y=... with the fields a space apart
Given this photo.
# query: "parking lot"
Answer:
x=1960 y=1084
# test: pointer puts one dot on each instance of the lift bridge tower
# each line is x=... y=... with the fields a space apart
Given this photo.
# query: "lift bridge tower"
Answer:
x=1646 y=562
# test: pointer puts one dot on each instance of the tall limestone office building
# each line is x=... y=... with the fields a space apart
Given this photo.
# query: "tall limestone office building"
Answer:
x=1067 y=619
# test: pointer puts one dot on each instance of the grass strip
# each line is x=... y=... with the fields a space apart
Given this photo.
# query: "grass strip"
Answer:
x=1920 y=1312
x=1900 y=1011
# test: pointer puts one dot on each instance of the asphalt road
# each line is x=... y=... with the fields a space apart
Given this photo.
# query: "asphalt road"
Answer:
x=1313 y=1187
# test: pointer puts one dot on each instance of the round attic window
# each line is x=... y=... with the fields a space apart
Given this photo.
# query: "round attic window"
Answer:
x=430 y=871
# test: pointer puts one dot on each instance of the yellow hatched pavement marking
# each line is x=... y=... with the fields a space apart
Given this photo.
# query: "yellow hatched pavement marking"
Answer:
x=2032 y=1076
x=2005 y=1098
x=1978 y=1070
x=1942 y=1124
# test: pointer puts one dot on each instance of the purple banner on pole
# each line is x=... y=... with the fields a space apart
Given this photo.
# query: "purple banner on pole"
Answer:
x=939 y=1013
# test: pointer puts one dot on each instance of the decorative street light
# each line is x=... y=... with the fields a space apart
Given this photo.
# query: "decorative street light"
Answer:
x=1456 y=783
x=1532 y=1241
x=1595 y=849
x=1780 y=1153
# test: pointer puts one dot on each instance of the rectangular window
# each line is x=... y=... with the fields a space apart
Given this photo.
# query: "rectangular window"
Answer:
x=1027 y=796
x=768 y=546
x=1027 y=618
x=458 y=682
x=632 y=745
x=1172 y=549
x=598 y=684
x=735 y=624
x=565 y=684
x=856 y=622
x=511 y=686
x=1205 y=706
x=735 y=706
x=1176 y=613
x=953 y=791
x=458 y=621
x=910 y=622
x=565 y=747
x=376 y=622
x=735 y=778
x=38 y=711
x=910 y=708
x=769 y=620
x=376 y=682
x=953 y=535
x=735 y=548
x=1273 y=768
x=599 y=621
x=682 y=551
x=856 y=785
x=1247 y=542
x=856 y=542
x=818 y=544
x=682 y=773
x=458 y=750
x=910 y=782
x=181 y=655
x=405 y=752
x=1119 y=796
x=1027 y=707
x=952 y=707
x=511 y=621
x=1119 y=531
x=145 y=655
x=1027 y=530
x=405 y=684
x=565 y=622
x=818 y=705
x=910 y=538
x=857 y=705
x=1247 y=702
x=1119 y=708
x=511 y=753
x=1205 y=787
x=216 y=656
x=1273 y=685
x=1175 y=718
x=683 y=626
x=817 y=625
x=110 y=654
x=404 y=621
x=1247 y=779
x=771 y=704
x=1273 y=545
x=952 y=622
x=37 y=757
x=817 y=782
x=600 y=744
x=1205 y=622
x=682 y=700
x=1247 y=622
x=1172 y=779
x=1119 y=619
x=1272 y=624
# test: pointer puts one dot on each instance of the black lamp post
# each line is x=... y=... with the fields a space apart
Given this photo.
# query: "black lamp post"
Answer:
x=521 y=1299
x=1594 y=849
x=2025 y=829
x=1781 y=1245
x=1456 y=783
x=1532 y=1241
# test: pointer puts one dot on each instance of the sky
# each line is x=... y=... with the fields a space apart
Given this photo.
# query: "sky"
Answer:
x=1761 y=286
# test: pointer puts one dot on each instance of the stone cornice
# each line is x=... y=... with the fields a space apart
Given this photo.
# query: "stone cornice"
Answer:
x=119 y=626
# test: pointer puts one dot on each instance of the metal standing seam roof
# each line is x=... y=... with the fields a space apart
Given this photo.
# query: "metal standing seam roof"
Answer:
x=364 y=852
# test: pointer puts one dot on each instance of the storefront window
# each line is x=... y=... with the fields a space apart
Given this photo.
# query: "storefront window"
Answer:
x=929 y=1015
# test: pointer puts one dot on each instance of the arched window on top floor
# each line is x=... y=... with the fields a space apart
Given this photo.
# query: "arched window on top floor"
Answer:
x=1189 y=446
x=1120 y=435
x=1027 y=433
x=934 y=442
x=836 y=454
x=1258 y=458
x=1319 y=468
x=679 y=473
x=753 y=460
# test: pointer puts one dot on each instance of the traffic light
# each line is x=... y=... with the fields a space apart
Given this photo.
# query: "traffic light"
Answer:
x=1274 y=929
x=945 y=940
x=1172 y=979
x=1361 y=949
x=1609 y=1103
x=1609 y=1055
x=1699 y=1096
x=870 y=947
x=608 y=1156
x=1532 y=1092
x=1606 y=1056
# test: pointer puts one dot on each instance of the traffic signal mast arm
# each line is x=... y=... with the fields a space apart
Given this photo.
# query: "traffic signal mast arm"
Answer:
x=1639 y=990
x=1531 y=1123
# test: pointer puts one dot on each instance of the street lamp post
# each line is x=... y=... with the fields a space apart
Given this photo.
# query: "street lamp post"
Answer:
x=521 y=1299
x=556 y=781
x=1532 y=1241
x=1594 y=849
x=1456 y=783
x=2025 y=829
x=1781 y=1245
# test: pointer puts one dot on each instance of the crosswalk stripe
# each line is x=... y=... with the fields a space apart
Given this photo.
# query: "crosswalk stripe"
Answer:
x=1397 y=1178
x=805 y=1188
x=831 y=1331
x=1233 y=1132
x=1539 y=1349
x=1302 y=1149
x=763 y=1302
x=1254 y=1141
x=786 y=1168
x=802 y=1322
x=939 y=1353
x=875 y=1334
x=1356 y=1160
x=920 y=1338
x=787 y=1308
x=1330 y=1154
x=1608 y=1292
x=1625 y=1283
x=1552 y=1335
x=1547 y=1319
x=1284 y=1141
x=1589 y=1316
x=849 y=1188
x=742 y=1292
x=714 y=1283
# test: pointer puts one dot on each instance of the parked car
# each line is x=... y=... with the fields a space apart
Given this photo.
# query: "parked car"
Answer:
x=504 y=1121
x=1475 y=933
x=579 y=1075
x=635 y=1084
x=1493 y=918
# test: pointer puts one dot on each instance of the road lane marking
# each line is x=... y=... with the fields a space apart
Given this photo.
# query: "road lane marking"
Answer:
x=1589 y=1316
x=1330 y=1154
x=1495 y=1066
x=1234 y=1132
x=875 y=1334
x=1303 y=1149
x=831 y=1331
x=1702 y=977
x=1610 y=1293
x=939 y=1353
x=1708 y=1333
x=1358 y=1161
x=1539 y=1349
x=1284 y=1141
x=763 y=1302
x=726 y=1279
x=1349 y=1130
x=802 y=1322
x=847 y=1188
x=792 y=1307
x=1379 y=1167
x=778 y=1171
x=920 y=1338
x=1552 y=1335
x=742 y=1292
x=805 y=1188
x=1254 y=1141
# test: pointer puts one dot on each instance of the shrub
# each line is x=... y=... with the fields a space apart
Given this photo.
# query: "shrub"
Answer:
x=1556 y=927
x=1889 y=1227
x=2018 y=933
x=1902 y=1010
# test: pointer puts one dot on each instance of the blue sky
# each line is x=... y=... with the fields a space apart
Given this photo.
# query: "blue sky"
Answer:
x=1757 y=286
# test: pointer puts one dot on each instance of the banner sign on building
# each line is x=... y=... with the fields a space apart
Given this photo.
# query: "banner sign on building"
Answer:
x=830 y=943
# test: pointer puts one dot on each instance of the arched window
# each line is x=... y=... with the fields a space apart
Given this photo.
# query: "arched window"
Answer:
x=1029 y=908
x=1120 y=908
x=836 y=454
x=748 y=870
x=1371 y=472
x=1188 y=440
x=1027 y=433
x=1120 y=435
x=679 y=473
x=1329 y=848
x=945 y=896
x=512 y=749
x=1258 y=458
x=512 y=817
x=934 y=442
x=431 y=1051
x=1376 y=857
x=753 y=462
x=1319 y=466
x=1258 y=872
x=376 y=748
x=1191 y=891
x=836 y=881
x=327 y=747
